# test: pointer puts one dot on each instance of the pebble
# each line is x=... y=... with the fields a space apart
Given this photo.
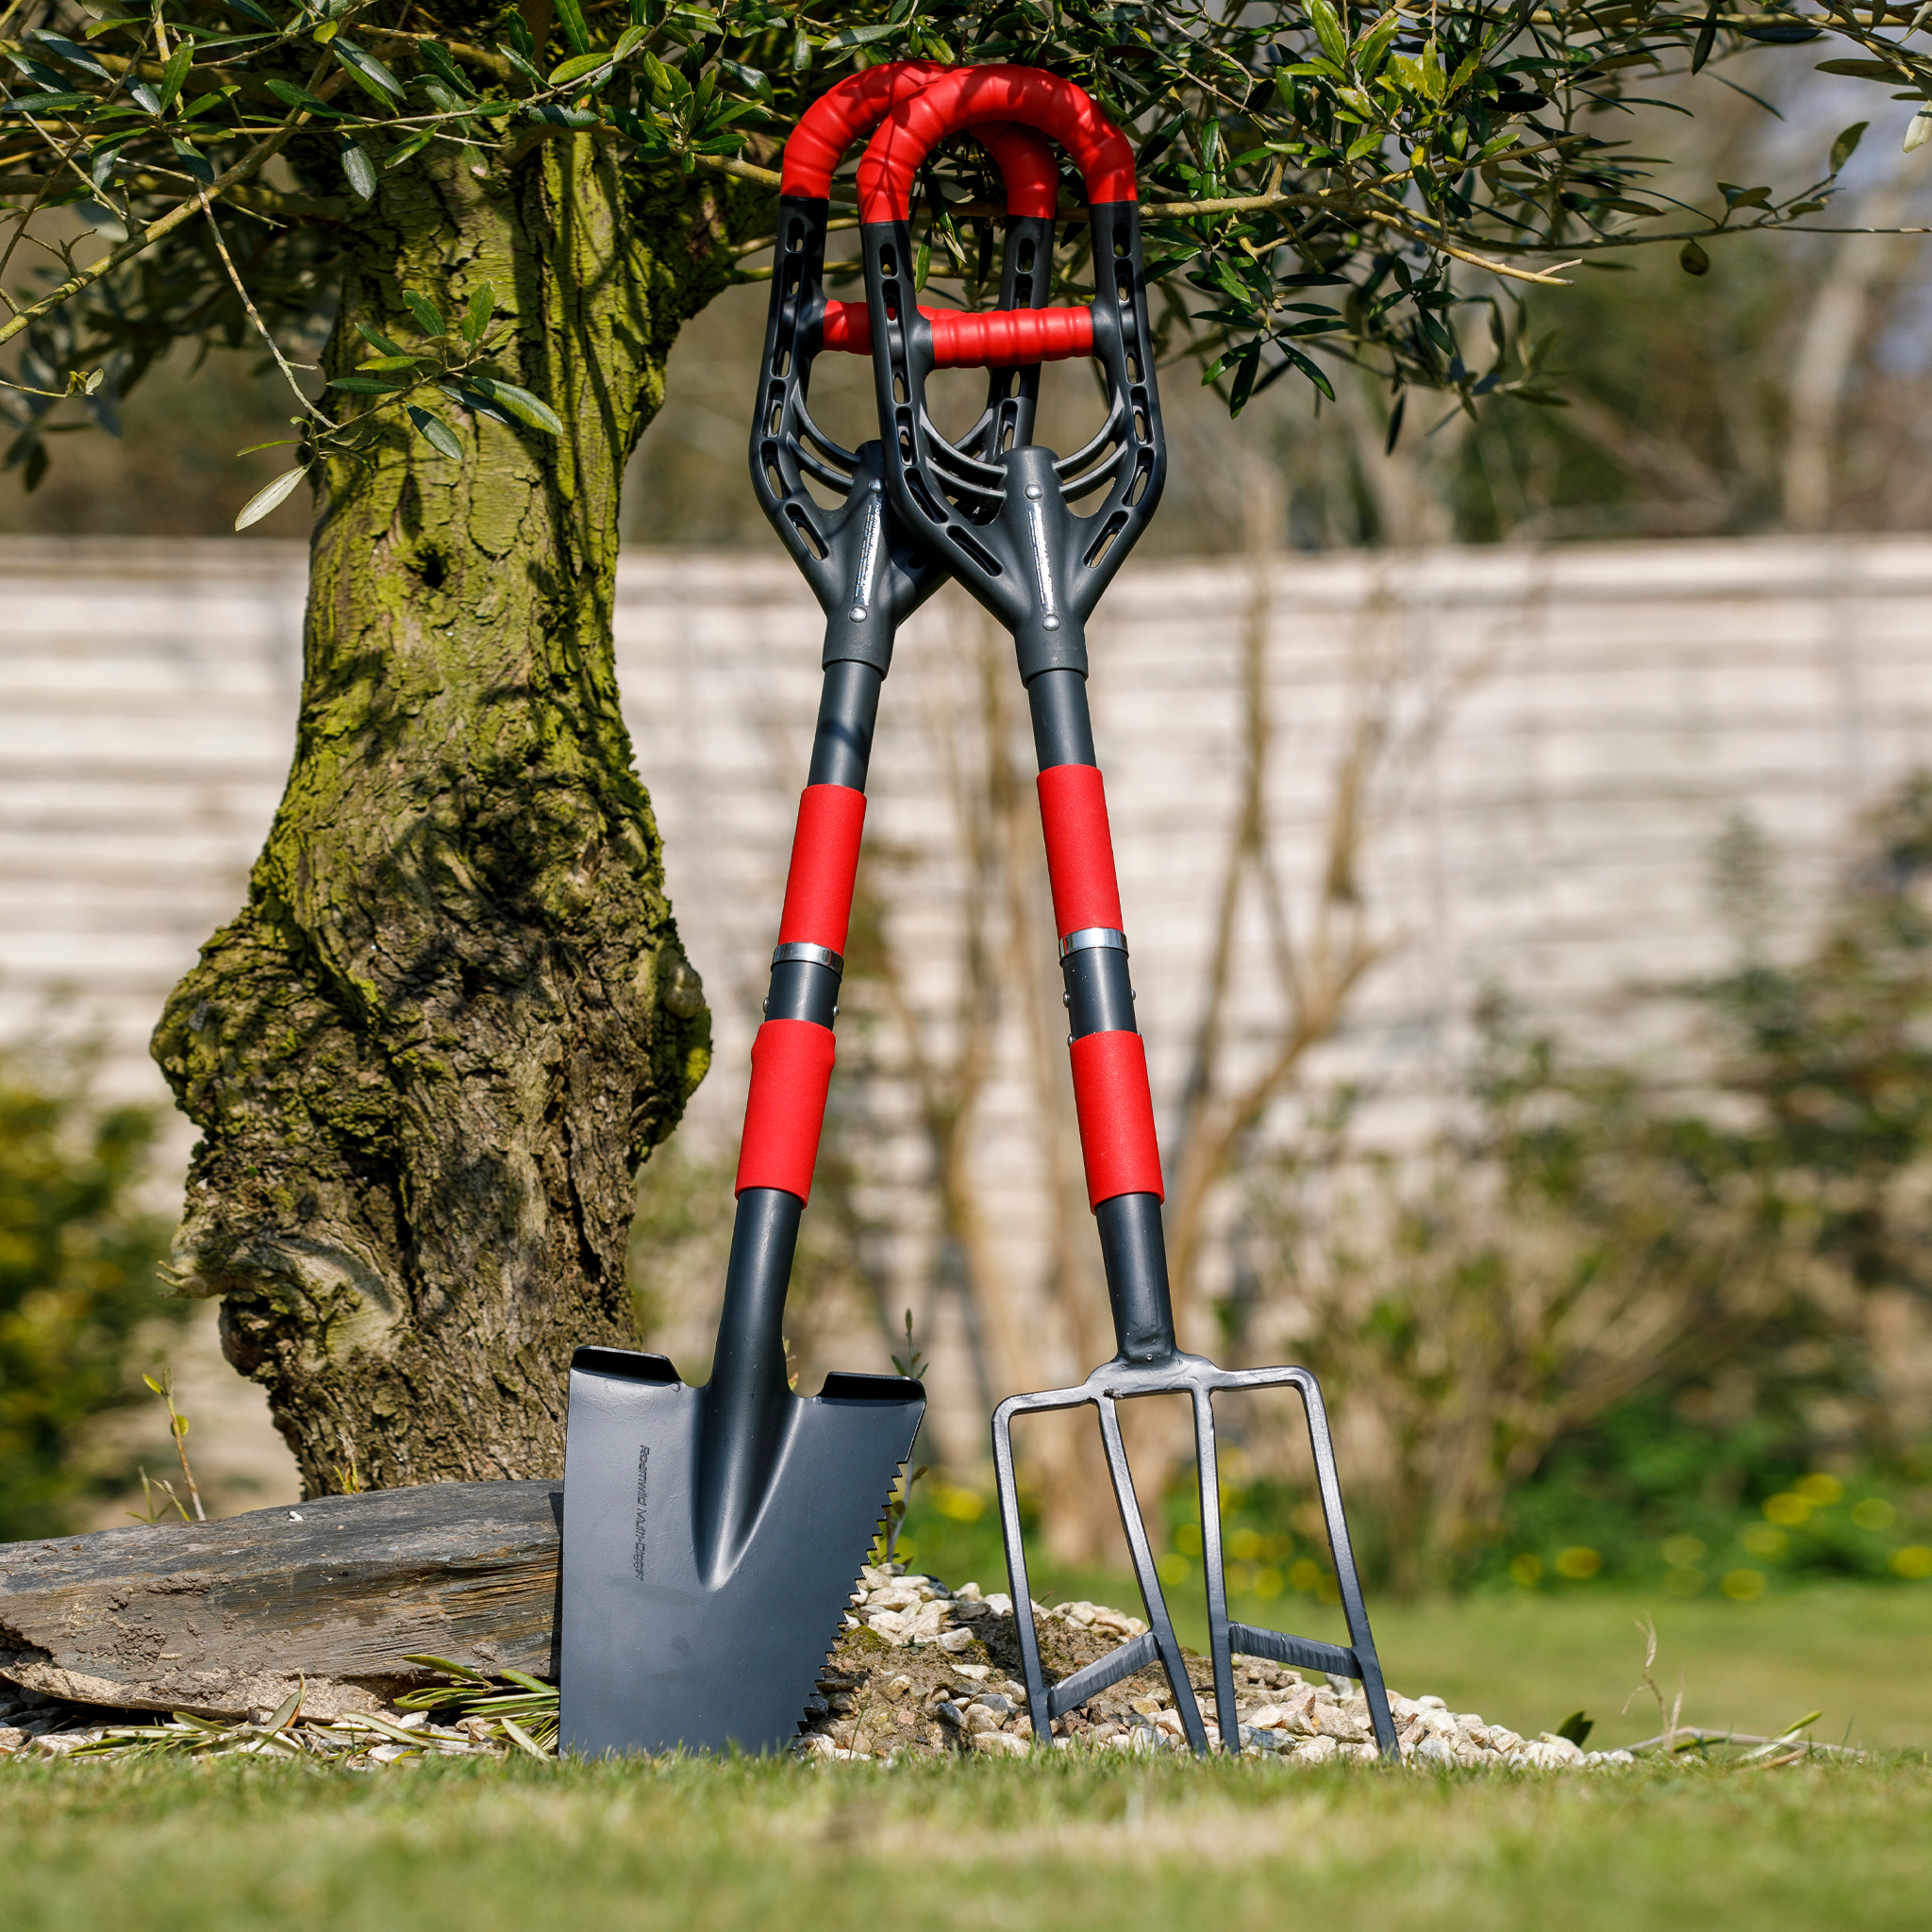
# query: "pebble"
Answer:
x=1001 y=1745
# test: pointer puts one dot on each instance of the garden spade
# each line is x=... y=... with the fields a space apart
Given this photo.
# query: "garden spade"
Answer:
x=711 y=1536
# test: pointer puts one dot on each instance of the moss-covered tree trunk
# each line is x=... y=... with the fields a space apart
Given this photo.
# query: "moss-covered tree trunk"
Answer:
x=453 y=1015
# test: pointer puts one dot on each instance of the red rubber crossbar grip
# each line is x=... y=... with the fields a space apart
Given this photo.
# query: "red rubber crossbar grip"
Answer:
x=1116 y=1114
x=828 y=129
x=989 y=339
x=963 y=98
x=1079 y=849
x=790 y=1074
x=824 y=862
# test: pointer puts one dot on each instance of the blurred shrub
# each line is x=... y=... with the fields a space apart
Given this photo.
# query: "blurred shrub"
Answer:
x=1610 y=1315
x=79 y=1264
x=1660 y=1497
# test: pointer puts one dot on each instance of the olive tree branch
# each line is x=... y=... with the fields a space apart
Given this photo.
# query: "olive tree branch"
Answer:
x=261 y=328
x=178 y=216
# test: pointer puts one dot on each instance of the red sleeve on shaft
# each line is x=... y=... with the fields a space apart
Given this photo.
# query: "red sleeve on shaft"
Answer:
x=1079 y=849
x=790 y=1074
x=825 y=862
x=1027 y=166
x=1116 y=1111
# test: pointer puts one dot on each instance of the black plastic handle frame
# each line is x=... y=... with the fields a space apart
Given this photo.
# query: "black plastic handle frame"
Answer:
x=866 y=573
x=1001 y=515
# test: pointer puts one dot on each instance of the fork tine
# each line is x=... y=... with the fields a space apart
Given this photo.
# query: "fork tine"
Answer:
x=1016 y=1567
x=1221 y=1651
x=1360 y=1638
x=1158 y=1622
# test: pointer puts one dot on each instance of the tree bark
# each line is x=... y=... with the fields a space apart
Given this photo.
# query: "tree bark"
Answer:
x=454 y=1016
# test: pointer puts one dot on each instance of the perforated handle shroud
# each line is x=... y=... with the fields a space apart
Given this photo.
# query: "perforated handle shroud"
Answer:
x=848 y=550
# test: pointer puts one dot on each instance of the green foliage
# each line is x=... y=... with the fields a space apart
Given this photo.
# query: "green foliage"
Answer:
x=1835 y=1056
x=1677 y=1499
x=1828 y=1072
x=1617 y=1331
x=885 y=1545
x=1311 y=175
x=77 y=1283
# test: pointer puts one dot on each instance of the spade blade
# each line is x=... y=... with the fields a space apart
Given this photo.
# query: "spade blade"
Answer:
x=656 y=1656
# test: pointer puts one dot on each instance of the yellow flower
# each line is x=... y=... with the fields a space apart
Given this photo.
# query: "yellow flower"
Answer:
x=1874 y=1512
x=1820 y=1490
x=1763 y=1539
x=1788 y=1508
x=1914 y=1560
x=962 y=1506
x=1578 y=1561
x=1684 y=1550
x=1742 y=1586
x=1525 y=1569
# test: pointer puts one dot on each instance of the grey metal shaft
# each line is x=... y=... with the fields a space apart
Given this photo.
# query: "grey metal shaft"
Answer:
x=1100 y=999
x=744 y=1409
x=848 y=710
x=745 y=1406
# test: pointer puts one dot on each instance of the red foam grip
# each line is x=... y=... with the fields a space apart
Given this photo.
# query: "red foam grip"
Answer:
x=1116 y=1112
x=790 y=1074
x=1079 y=849
x=1027 y=167
x=838 y=119
x=990 y=339
x=824 y=862
x=845 y=115
x=964 y=97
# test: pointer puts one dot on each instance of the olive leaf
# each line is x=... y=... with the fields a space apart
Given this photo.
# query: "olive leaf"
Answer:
x=270 y=496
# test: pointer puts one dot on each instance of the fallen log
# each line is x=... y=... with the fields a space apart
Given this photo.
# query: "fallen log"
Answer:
x=223 y=1617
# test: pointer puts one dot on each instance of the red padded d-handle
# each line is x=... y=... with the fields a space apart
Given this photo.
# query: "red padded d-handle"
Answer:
x=966 y=96
x=839 y=119
x=843 y=116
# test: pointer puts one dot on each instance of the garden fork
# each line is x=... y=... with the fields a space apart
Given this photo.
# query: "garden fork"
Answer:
x=1002 y=523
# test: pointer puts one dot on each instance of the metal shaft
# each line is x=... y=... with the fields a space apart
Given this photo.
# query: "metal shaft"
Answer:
x=745 y=1405
x=1100 y=1007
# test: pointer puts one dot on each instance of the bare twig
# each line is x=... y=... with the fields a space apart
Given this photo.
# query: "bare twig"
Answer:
x=261 y=328
x=1667 y=1715
x=177 y=1428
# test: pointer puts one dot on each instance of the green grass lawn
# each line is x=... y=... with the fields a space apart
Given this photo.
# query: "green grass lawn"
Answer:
x=976 y=1845
x=1091 y=1842
x=1862 y=1655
